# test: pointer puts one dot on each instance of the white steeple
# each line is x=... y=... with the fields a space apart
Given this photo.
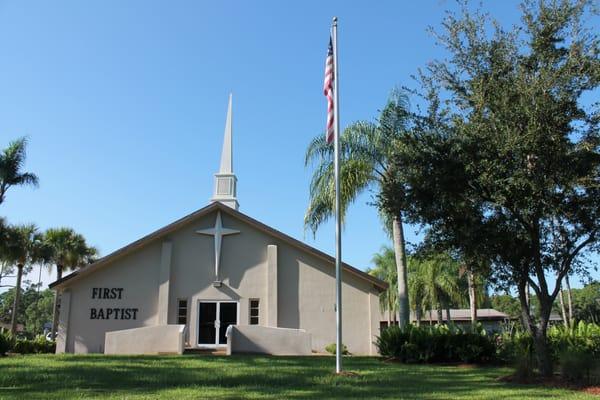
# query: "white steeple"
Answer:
x=225 y=179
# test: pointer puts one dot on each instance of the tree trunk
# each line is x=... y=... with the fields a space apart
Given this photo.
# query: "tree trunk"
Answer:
x=400 y=252
x=440 y=316
x=569 y=298
x=472 y=296
x=563 y=310
x=541 y=341
x=59 y=271
x=538 y=332
x=448 y=318
x=15 y=311
x=418 y=314
x=543 y=353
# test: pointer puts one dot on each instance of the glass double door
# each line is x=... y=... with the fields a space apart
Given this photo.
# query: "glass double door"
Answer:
x=214 y=317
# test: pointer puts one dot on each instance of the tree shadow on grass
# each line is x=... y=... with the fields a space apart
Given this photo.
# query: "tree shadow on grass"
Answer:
x=65 y=377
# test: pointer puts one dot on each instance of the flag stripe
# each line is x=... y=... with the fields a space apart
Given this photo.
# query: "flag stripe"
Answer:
x=328 y=92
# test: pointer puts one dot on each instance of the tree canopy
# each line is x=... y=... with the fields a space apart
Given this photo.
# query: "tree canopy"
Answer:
x=505 y=163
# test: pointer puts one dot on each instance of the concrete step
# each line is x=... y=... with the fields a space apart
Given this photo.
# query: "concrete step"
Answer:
x=205 y=352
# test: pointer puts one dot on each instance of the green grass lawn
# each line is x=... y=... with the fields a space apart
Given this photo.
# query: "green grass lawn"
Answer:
x=253 y=377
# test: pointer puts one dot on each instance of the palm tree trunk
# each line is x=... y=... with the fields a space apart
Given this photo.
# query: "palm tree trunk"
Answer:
x=390 y=307
x=527 y=297
x=563 y=310
x=39 y=284
x=448 y=318
x=472 y=296
x=440 y=316
x=59 y=271
x=400 y=252
x=418 y=314
x=569 y=298
x=15 y=311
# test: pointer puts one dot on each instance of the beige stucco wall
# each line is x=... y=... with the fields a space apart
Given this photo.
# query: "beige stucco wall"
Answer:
x=267 y=340
x=138 y=275
x=305 y=288
x=160 y=339
x=307 y=301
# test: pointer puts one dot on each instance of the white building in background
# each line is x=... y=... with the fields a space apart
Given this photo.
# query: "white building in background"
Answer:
x=185 y=284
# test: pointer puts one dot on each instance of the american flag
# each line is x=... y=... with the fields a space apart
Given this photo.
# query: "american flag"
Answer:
x=328 y=92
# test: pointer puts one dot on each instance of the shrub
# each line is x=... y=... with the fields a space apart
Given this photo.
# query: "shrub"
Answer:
x=7 y=342
x=576 y=365
x=440 y=343
x=389 y=343
x=581 y=336
x=23 y=346
x=331 y=348
x=515 y=346
x=574 y=348
x=36 y=346
x=42 y=345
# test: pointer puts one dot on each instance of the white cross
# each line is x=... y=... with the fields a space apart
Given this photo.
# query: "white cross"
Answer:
x=218 y=232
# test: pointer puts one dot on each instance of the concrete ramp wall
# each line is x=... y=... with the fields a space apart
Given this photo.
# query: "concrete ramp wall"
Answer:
x=161 y=339
x=267 y=340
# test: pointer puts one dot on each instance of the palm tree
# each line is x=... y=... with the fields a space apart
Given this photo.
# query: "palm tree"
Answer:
x=563 y=310
x=366 y=153
x=438 y=281
x=569 y=298
x=3 y=243
x=385 y=269
x=416 y=289
x=476 y=286
x=66 y=250
x=23 y=248
x=11 y=163
x=7 y=266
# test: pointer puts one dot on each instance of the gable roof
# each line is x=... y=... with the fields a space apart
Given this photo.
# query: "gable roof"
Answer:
x=164 y=231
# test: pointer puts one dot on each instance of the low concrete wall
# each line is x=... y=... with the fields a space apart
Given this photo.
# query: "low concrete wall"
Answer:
x=161 y=339
x=267 y=340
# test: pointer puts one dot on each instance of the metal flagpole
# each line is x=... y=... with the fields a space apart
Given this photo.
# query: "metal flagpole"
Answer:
x=338 y=223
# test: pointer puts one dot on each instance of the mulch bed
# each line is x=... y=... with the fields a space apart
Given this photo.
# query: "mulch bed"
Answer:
x=592 y=390
x=440 y=364
x=555 y=381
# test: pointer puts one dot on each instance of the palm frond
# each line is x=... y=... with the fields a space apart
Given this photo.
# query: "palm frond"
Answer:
x=318 y=150
x=27 y=178
x=355 y=176
x=12 y=161
x=68 y=249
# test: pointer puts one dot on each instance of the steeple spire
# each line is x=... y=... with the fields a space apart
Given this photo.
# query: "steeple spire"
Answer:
x=226 y=154
x=225 y=179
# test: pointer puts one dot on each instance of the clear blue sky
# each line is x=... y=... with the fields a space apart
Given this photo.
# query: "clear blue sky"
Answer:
x=124 y=104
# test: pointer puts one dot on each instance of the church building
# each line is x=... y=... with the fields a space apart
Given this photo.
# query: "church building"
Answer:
x=211 y=275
